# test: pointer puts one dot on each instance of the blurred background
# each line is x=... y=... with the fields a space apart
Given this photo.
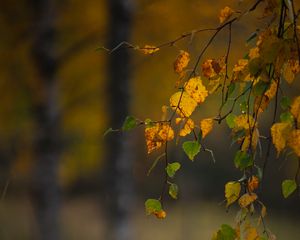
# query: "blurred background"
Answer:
x=59 y=178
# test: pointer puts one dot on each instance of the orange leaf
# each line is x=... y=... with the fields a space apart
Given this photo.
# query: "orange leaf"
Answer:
x=160 y=214
x=225 y=13
x=253 y=182
x=247 y=199
x=149 y=49
x=157 y=135
x=181 y=61
x=206 y=126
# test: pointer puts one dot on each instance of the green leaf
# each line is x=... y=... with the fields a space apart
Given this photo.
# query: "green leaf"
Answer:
x=152 y=206
x=225 y=233
x=191 y=148
x=232 y=192
x=244 y=106
x=129 y=123
x=173 y=190
x=285 y=102
x=255 y=66
x=230 y=90
x=287 y=117
x=172 y=168
x=288 y=187
x=262 y=238
x=260 y=88
x=230 y=120
x=155 y=163
x=242 y=160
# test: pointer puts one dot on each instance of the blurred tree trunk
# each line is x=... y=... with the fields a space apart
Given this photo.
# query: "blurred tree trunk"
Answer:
x=119 y=185
x=45 y=109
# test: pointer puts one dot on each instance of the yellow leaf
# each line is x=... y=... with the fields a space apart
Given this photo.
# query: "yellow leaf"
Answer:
x=271 y=92
x=157 y=135
x=251 y=233
x=294 y=141
x=263 y=213
x=290 y=69
x=186 y=105
x=254 y=53
x=181 y=61
x=196 y=89
x=253 y=182
x=241 y=72
x=187 y=128
x=246 y=144
x=243 y=121
x=225 y=13
x=206 y=126
x=232 y=192
x=280 y=133
x=295 y=109
x=178 y=120
x=149 y=49
x=241 y=65
x=254 y=140
x=247 y=199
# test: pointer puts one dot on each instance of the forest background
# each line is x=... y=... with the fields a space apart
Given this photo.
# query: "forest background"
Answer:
x=78 y=96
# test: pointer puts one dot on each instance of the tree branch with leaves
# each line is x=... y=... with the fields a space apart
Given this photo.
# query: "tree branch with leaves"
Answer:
x=255 y=81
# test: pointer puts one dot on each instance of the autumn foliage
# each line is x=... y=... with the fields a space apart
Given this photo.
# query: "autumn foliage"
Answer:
x=272 y=60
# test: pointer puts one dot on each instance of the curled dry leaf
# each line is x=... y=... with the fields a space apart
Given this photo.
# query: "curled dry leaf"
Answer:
x=247 y=199
x=149 y=49
x=253 y=183
x=181 y=61
x=225 y=13
x=271 y=92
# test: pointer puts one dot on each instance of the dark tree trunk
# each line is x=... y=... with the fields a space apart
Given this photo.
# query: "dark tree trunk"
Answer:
x=45 y=109
x=119 y=185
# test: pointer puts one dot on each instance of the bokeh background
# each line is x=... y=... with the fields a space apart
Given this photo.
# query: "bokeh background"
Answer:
x=59 y=178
